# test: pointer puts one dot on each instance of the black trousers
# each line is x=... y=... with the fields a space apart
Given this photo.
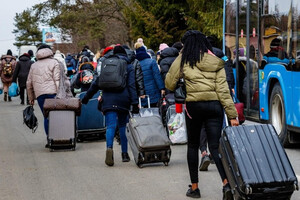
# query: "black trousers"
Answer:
x=210 y=115
x=22 y=94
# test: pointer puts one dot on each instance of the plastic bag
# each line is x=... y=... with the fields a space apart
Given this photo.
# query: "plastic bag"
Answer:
x=13 y=90
x=1 y=85
x=177 y=129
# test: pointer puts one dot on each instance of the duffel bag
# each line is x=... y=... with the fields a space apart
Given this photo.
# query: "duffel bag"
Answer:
x=73 y=104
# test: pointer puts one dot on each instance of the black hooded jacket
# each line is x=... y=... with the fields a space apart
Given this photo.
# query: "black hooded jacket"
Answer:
x=22 y=70
x=228 y=68
x=167 y=57
x=139 y=78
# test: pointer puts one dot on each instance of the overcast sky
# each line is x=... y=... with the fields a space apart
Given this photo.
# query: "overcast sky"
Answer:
x=8 y=10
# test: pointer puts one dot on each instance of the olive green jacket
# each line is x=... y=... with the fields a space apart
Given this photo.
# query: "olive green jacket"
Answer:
x=205 y=82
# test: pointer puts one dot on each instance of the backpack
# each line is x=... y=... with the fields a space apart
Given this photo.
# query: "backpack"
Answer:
x=7 y=68
x=86 y=76
x=113 y=75
x=29 y=118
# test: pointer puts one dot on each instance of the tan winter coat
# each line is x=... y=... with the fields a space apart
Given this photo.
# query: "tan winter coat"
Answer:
x=13 y=62
x=205 y=82
x=44 y=75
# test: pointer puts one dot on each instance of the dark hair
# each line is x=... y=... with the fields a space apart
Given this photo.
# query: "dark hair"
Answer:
x=195 y=45
x=30 y=52
x=9 y=52
x=44 y=46
x=119 y=50
x=178 y=45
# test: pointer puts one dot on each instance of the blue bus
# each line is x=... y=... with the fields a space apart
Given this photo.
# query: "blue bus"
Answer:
x=262 y=40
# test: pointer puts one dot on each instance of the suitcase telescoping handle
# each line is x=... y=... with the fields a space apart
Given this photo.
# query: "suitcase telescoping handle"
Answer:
x=148 y=100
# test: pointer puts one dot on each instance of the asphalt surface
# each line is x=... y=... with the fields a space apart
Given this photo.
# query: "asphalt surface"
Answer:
x=28 y=171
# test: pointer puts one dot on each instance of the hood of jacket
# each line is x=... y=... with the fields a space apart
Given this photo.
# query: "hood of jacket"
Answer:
x=24 y=58
x=130 y=54
x=44 y=53
x=169 y=52
x=210 y=63
x=123 y=57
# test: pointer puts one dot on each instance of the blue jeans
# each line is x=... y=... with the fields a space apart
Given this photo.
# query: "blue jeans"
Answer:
x=41 y=101
x=114 y=118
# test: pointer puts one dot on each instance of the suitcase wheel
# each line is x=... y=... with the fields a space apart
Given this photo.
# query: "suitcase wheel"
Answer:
x=166 y=163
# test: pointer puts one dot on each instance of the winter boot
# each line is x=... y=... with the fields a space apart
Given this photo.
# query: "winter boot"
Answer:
x=5 y=96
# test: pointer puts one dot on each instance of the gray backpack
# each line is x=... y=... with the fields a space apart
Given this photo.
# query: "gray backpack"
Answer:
x=113 y=75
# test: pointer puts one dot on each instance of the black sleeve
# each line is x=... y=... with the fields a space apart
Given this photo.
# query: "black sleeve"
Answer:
x=229 y=74
x=90 y=93
x=16 y=72
x=139 y=78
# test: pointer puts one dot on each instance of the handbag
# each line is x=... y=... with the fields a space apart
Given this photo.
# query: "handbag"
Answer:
x=72 y=104
x=29 y=118
x=240 y=109
x=180 y=90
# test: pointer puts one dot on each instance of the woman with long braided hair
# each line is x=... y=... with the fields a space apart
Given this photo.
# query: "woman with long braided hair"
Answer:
x=207 y=96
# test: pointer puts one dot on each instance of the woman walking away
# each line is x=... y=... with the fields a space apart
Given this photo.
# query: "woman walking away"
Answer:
x=7 y=68
x=115 y=106
x=21 y=73
x=153 y=83
x=207 y=95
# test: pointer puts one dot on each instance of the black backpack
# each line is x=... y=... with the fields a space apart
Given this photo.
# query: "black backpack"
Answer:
x=29 y=118
x=113 y=74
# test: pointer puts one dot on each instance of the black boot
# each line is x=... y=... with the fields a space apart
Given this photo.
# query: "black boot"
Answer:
x=125 y=157
x=5 y=96
x=9 y=98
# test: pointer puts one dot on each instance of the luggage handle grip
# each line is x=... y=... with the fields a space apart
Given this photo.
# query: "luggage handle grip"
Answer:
x=148 y=100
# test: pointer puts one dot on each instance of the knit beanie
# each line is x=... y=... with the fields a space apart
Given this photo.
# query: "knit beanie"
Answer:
x=107 y=49
x=162 y=46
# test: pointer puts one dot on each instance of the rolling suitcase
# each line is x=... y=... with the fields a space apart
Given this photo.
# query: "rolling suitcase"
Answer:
x=147 y=138
x=62 y=131
x=91 y=122
x=256 y=164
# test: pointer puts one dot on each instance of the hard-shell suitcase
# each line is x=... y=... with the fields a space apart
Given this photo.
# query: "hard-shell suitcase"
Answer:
x=91 y=122
x=148 y=139
x=256 y=164
x=62 y=131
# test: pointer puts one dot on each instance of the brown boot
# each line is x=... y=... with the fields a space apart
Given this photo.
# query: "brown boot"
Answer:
x=5 y=96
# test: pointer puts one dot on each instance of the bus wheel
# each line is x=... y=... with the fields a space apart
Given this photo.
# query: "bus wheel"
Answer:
x=277 y=114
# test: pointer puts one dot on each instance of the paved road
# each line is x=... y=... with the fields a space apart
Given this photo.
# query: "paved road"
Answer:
x=28 y=171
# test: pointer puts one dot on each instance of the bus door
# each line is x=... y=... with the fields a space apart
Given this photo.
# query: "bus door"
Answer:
x=248 y=58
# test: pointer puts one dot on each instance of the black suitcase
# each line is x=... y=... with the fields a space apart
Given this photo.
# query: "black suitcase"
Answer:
x=256 y=164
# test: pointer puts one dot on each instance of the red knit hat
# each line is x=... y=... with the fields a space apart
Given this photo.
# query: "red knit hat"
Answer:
x=107 y=49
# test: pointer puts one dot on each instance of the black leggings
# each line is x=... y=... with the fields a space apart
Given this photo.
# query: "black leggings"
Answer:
x=210 y=115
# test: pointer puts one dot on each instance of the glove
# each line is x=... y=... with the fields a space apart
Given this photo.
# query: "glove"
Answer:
x=135 y=109
x=84 y=100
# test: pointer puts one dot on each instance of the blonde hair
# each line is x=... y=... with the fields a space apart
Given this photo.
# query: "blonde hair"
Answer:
x=138 y=45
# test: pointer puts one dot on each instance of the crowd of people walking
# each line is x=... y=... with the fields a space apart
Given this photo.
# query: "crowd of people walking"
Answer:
x=206 y=80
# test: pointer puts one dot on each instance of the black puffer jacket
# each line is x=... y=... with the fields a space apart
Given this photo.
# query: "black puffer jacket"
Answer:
x=22 y=70
x=167 y=57
x=228 y=68
x=139 y=77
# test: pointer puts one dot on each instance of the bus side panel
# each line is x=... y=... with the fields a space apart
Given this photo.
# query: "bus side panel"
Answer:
x=284 y=77
x=295 y=119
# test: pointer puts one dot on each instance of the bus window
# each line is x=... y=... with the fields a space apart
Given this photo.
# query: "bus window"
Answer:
x=276 y=32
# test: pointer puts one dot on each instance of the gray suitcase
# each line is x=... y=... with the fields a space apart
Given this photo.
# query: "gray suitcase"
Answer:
x=62 y=131
x=148 y=139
